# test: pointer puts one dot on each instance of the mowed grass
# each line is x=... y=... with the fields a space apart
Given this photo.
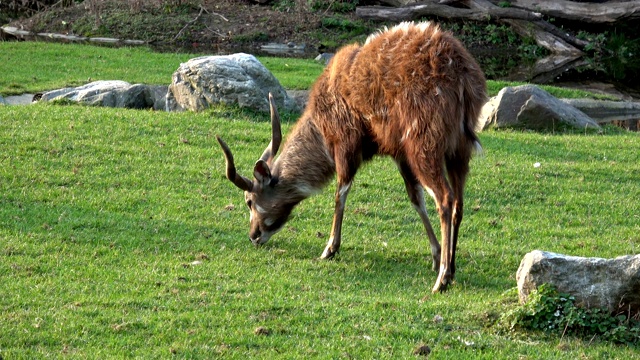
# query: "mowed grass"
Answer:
x=120 y=237
x=31 y=67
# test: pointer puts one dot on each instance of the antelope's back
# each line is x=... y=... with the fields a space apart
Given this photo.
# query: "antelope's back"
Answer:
x=412 y=76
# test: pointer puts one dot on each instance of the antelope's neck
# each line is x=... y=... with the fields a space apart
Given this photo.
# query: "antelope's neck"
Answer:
x=305 y=165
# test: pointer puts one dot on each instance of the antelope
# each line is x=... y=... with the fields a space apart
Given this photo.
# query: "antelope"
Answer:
x=412 y=92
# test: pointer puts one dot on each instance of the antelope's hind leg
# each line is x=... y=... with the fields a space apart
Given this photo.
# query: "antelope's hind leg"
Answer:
x=430 y=174
x=457 y=169
x=415 y=192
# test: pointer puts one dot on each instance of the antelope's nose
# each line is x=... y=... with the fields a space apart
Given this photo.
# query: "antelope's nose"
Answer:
x=255 y=242
x=254 y=236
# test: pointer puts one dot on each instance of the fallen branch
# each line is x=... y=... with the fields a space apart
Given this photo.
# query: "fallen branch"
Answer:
x=215 y=13
x=215 y=32
x=189 y=23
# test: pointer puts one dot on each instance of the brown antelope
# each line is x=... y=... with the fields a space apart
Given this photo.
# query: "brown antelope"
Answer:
x=412 y=92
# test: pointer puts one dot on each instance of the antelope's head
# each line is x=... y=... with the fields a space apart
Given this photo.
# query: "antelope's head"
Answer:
x=268 y=204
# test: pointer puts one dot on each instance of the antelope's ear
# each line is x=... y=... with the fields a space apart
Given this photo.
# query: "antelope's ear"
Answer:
x=262 y=172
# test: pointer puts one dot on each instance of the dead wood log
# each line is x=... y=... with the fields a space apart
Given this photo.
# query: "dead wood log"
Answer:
x=545 y=34
x=542 y=37
x=547 y=37
x=440 y=9
x=398 y=3
x=606 y=12
x=416 y=11
x=547 y=69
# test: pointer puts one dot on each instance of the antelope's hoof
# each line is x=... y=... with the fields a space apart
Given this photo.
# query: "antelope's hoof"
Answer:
x=442 y=283
x=440 y=288
x=328 y=253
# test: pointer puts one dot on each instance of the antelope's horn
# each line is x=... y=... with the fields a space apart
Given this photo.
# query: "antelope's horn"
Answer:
x=276 y=133
x=240 y=181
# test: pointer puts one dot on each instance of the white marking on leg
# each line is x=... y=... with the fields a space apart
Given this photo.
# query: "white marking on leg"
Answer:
x=430 y=192
x=344 y=189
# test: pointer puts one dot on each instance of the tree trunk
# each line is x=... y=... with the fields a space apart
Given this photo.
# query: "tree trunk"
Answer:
x=542 y=37
x=416 y=11
x=606 y=12
x=439 y=9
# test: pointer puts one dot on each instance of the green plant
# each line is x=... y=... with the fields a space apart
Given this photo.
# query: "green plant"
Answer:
x=339 y=6
x=613 y=53
x=284 y=5
x=179 y=6
x=343 y=24
x=550 y=311
x=501 y=38
x=251 y=37
x=595 y=41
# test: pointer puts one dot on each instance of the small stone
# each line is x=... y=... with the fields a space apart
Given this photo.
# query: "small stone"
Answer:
x=422 y=350
x=261 y=330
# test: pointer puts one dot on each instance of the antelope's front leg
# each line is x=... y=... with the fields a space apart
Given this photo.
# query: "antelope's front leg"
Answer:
x=336 y=229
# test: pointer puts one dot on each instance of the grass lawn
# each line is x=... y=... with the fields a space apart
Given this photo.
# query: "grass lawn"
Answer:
x=120 y=237
x=31 y=67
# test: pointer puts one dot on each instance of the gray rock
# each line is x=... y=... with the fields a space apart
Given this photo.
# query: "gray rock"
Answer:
x=324 y=58
x=111 y=93
x=612 y=284
x=301 y=97
x=604 y=111
x=158 y=95
x=530 y=107
x=232 y=79
x=24 y=99
x=284 y=49
x=2 y=101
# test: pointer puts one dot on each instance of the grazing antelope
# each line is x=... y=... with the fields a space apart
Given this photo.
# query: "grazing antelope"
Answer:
x=412 y=92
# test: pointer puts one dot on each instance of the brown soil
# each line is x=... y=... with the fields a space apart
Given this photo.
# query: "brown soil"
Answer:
x=207 y=25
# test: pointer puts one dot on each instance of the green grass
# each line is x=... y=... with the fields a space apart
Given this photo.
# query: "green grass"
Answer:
x=100 y=239
x=31 y=67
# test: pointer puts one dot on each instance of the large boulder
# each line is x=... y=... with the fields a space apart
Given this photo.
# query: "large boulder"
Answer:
x=612 y=284
x=530 y=107
x=112 y=93
x=231 y=79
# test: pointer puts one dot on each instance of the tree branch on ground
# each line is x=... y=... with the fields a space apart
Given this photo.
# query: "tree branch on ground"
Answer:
x=189 y=23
